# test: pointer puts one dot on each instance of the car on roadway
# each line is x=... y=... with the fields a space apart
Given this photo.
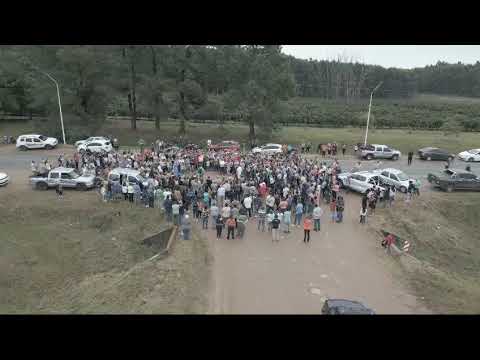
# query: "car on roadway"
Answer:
x=360 y=181
x=68 y=177
x=268 y=149
x=453 y=179
x=228 y=145
x=375 y=151
x=96 y=146
x=4 y=179
x=90 y=139
x=35 y=141
x=433 y=153
x=470 y=155
x=396 y=178
x=345 y=307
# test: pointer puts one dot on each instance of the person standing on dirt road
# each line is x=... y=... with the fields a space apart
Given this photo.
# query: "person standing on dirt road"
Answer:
x=307 y=227
x=363 y=214
x=317 y=214
x=219 y=226
x=262 y=214
x=276 y=228
x=410 y=157
x=344 y=148
x=231 y=227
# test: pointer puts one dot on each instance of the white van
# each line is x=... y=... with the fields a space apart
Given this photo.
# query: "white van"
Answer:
x=34 y=141
x=133 y=176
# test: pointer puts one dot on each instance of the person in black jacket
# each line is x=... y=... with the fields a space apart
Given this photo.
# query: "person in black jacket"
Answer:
x=410 y=157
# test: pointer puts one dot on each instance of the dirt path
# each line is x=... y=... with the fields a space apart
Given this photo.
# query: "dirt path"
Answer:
x=257 y=276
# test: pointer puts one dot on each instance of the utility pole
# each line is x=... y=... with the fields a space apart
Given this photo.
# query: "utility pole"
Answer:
x=369 y=109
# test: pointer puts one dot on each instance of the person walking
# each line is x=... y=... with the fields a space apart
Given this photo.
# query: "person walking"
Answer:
x=307 y=226
x=317 y=214
x=247 y=202
x=176 y=213
x=298 y=214
x=167 y=204
x=363 y=214
x=205 y=216
x=287 y=219
x=410 y=157
x=276 y=228
x=333 y=210
x=219 y=226
x=230 y=227
x=261 y=215
x=186 y=227
x=340 y=208
x=214 y=212
x=344 y=149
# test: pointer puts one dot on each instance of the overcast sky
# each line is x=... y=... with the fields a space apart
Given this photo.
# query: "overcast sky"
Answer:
x=400 y=56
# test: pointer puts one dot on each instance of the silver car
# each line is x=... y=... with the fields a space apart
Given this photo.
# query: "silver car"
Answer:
x=65 y=176
x=360 y=181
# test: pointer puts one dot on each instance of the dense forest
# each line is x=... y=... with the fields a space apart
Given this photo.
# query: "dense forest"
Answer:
x=254 y=84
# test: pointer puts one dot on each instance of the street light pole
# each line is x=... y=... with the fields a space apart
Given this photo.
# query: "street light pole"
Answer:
x=369 y=109
x=59 y=102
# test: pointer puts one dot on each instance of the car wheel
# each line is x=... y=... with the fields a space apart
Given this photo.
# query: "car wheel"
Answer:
x=450 y=188
x=81 y=187
x=369 y=157
x=429 y=158
x=23 y=148
x=395 y=157
x=42 y=186
x=403 y=189
x=470 y=159
x=48 y=147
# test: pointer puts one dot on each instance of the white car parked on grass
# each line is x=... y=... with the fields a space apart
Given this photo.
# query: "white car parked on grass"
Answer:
x=268 y=149
x=470 y=155
x=95 y=146
x=89 y=140
x=34 y=141
x=360 y=181
x=396 y=178
x=4 y=179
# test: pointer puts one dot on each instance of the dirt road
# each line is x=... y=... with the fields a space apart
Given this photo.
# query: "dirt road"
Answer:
x=257 y=276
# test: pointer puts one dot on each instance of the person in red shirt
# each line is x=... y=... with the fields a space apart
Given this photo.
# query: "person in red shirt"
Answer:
x=307 y=226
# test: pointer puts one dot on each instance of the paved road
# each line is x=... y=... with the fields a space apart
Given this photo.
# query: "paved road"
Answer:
x=256 y=276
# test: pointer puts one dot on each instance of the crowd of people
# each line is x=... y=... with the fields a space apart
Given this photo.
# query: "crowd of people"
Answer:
x=224 y=190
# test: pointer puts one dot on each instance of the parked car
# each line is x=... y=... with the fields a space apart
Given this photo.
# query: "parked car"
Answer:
x=90 y=139
x=360 y=181
x=229 y=145
x=133 y=176
x=345 y=307
x=34 y=141
x=470 y=155
x=268 y=149
x=432 y=153
x=375 y=151
x=452 y=179
x=396 y=178
x=4 y=179
x=65 y=176
x=95 y=146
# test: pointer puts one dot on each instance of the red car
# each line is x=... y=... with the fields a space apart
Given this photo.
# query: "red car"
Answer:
x=229 y=146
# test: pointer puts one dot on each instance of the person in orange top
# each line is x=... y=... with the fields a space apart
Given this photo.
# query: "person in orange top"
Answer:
x=230 y=227
x=307 y=226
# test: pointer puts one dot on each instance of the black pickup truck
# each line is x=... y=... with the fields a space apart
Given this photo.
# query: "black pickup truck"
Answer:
x=452 y=179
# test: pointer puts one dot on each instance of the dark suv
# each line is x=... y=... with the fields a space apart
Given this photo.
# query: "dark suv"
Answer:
x=345 y=307
x=451 y=179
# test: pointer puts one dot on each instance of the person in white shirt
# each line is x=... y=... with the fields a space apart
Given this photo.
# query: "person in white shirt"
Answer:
x=226 y=211
x=285 y=191
x=317 y=214
x=247 y=202
x=270 y=201
x=221 y=195
x=239 y=172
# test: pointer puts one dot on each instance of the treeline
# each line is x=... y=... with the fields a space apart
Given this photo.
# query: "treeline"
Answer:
x=345 y=79
x=241 y=83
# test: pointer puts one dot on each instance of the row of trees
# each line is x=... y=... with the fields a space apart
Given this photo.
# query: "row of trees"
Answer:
x=247 y=83
x=157 y=81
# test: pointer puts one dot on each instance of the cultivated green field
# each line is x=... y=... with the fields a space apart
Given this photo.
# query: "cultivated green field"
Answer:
x=404 y=140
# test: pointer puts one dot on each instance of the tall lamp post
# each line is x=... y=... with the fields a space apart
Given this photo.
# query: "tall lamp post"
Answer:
x=369 y=109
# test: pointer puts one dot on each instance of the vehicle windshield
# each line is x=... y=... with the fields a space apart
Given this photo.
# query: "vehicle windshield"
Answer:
x=42 y=137
x=448 y=172
x=473 y=151
x=402 y=177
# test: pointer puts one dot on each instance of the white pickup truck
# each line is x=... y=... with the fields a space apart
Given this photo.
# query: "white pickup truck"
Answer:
x=65 y=176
